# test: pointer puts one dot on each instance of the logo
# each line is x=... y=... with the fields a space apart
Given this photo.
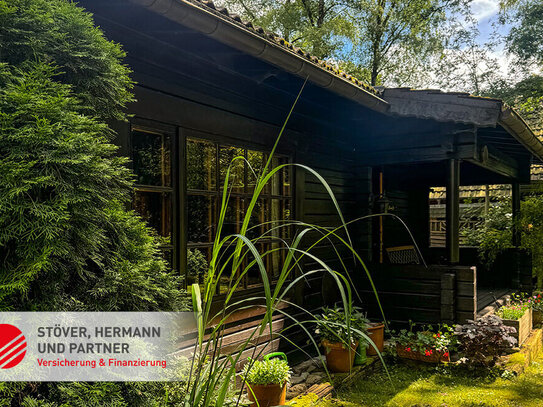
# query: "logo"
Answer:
x=12 y=346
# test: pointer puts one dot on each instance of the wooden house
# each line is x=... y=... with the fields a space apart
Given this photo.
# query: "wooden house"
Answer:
x=211 y=86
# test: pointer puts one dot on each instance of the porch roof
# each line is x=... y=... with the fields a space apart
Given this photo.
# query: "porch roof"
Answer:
x=464 y=108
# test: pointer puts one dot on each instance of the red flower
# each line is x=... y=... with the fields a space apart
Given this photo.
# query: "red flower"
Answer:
x=446 y=355
x=408 y=349
x=439 y=335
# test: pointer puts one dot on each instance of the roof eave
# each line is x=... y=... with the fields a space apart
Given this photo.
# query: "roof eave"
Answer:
x=236 y=36
x=515 y=125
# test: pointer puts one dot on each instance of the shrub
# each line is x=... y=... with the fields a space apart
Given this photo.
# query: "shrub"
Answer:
x=67 y=241
x=196 y=263
x=58 y=33
x=263 y=372
x=484 y=340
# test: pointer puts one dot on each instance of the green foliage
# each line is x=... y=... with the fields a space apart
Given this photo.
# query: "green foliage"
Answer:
x=481 y=342
x=262 y=372
x=531 y=223
x=516 y=306
x=494 y=234
x=196 y=263
x=234 y=256
x=332 y=325
x=524 y=41
x=512 y=311
x=526 y=38
x=379 y=41
x=66 y=241
x=59 y=33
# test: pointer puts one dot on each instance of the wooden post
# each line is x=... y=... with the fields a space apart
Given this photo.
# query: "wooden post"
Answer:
x=452 y=241
x=515 y=193
x=448 y=300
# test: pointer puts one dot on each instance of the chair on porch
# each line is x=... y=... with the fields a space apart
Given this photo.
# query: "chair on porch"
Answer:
x=403 y=255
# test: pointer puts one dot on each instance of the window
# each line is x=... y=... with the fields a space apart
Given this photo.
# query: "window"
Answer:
x=151 y=157
x=206 y=167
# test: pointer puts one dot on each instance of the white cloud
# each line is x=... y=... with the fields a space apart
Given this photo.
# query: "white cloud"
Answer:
x=483 y=9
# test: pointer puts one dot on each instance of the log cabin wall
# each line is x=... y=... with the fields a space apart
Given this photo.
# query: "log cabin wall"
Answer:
x=312 y=202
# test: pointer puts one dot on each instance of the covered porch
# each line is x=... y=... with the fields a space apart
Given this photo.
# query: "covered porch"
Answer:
x=443 y=140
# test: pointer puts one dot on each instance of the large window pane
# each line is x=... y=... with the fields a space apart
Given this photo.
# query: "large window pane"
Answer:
x=236 y=179
x=155 y=208
x=256 y=161
x=204 y=161
x=234 y=216
x=201 y=165
x=259 y=220
x=201 y=218
x=151 y=158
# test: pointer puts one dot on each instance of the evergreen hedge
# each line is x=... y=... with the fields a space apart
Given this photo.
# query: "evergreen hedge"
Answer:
x=68 y=240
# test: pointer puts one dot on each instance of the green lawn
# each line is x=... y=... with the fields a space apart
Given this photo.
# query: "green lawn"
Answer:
x=426 y=387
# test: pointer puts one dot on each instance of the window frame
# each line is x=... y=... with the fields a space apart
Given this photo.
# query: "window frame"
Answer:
x=178 y=184
x=217 y=192
x=157 y=128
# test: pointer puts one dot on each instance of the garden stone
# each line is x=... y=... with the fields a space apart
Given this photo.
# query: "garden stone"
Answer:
x=311 y=368
x=298 y=379
x=314 y=378
x=296 y=390
x=304 y=366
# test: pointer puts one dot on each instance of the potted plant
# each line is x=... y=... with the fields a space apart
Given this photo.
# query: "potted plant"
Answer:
x=517 y=314
x=267 y=381
x=340 y=340
x=376 y=331
x=426 y=345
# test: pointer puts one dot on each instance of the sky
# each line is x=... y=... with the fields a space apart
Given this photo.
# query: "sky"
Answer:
x=486 y=13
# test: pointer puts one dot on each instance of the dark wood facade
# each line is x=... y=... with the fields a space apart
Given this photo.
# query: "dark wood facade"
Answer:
x=192 y=87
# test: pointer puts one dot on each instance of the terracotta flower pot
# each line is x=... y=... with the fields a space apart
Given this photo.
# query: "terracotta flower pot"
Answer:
x=339 y=358
x=267 y=394
x=376 y=333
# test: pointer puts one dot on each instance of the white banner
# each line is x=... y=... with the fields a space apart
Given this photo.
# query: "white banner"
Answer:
x=92 y=346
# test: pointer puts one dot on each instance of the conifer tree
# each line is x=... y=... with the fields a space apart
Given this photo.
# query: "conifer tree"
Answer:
x=67 y=238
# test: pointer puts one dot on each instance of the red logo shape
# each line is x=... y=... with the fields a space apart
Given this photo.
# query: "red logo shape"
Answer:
x=12 y=346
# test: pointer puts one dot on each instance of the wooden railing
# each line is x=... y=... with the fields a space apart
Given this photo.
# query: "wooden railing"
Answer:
x=437 y=294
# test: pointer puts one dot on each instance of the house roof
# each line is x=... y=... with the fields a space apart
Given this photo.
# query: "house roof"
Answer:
x=218 y=23
x=461 y=107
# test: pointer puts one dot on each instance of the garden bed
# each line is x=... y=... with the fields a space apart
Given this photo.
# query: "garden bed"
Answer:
x=523 y=326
